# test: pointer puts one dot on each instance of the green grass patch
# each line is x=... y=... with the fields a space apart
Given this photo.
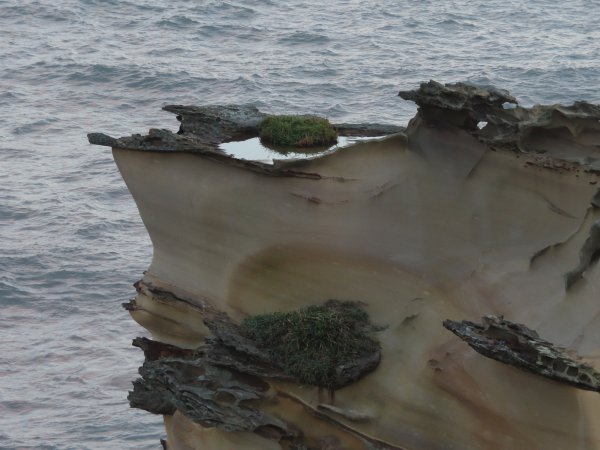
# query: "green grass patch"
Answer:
x=297 y=131
x=310 y=344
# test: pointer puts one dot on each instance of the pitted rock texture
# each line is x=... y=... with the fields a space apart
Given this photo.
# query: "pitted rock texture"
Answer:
x=159 y=140
x=217 y=123
x=469 y=104
x=226 y=386
x=517 y=345
x=485 y=112
x=196 y=385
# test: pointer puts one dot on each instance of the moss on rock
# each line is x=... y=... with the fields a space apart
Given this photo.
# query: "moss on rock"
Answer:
x=297 y=131
x=319 y=345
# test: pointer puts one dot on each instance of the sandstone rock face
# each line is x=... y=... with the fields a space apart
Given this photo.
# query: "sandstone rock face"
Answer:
x=452 y=220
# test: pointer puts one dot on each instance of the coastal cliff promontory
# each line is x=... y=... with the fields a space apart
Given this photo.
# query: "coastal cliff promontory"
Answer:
x=369 y=265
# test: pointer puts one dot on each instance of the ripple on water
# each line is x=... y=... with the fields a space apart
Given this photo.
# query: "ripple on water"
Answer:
x=303 y=38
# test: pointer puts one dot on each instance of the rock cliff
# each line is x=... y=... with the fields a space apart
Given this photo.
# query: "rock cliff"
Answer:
x=480 y=208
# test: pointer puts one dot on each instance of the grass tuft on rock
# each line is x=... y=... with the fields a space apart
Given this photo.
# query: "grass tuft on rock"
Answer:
x=312 y=343
x=297 y=131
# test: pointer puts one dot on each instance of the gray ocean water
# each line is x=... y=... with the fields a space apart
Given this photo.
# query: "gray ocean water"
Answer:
x=71 y=241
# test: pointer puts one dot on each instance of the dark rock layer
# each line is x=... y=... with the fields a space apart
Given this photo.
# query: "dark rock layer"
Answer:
x=515 y=344
x=203 y=128
x=492 y=115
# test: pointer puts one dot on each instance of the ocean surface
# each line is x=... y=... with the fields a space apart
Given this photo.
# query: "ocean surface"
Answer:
x=71 y=240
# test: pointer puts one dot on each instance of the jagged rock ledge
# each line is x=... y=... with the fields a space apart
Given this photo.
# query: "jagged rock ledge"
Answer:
x=203 y=128
x=551 y=132
x=517 y=345
x=224 y=383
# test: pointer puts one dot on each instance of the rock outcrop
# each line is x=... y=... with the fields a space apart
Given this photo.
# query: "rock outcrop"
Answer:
x=516 y=345
x=552 y=132
x=456 y=219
